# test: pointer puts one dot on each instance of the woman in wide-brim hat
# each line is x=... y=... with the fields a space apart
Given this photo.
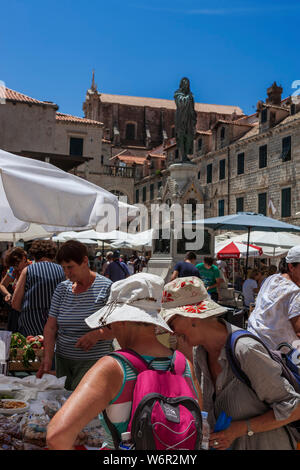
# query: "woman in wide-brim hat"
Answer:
x=132 y=314
x=259 y=415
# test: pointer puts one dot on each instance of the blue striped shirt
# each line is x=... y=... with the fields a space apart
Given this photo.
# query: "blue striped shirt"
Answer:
x=70 y=311
x=41 y=281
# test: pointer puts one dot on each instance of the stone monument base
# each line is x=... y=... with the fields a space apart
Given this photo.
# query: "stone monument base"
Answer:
x=161 y=266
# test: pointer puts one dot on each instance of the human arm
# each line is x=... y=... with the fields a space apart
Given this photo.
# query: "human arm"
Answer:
x=262 y=423
x=93 y=394
x=18 y=295
x=295 y=321
x=50 y=333
x=88 y=340
x=174 y=275
x=273 y=391
x=3 y=287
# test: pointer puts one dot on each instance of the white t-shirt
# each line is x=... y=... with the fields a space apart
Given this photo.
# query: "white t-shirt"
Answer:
x=248 y=291
x=277 y=302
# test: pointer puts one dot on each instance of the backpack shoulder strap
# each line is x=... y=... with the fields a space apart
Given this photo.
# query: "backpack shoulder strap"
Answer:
x=232 y=359
x=178 y=363
x=132 y=358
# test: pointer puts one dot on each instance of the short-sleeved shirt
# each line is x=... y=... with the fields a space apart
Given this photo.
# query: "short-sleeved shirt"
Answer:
x=248 y=291
x=186 y=269
x=209 y=276
x=71 y=310
x=116 y=271
x=277 y=302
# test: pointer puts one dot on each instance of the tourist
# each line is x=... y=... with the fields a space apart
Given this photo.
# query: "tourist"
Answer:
x=272 y=269
x=187 y=267
x=108 y=259
x=84 y=291
x=16 y=260
x=259 y=415
x=261 y=276
x=250 y=287
x=130 y=265
x=35 y=287
x=116 y=270
x=276 y=316
x=98 y=262
x=132 y=316
x=210 y=275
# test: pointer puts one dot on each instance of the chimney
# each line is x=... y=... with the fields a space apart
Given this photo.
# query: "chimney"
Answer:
x=274 y=94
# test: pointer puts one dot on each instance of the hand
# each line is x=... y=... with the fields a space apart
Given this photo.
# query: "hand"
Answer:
x=7 y=298
x=225 y=438
x=45 y=368
x=88 y=340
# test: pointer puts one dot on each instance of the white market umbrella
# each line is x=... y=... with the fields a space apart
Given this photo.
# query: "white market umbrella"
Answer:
x=32 y=191
x=270 y=239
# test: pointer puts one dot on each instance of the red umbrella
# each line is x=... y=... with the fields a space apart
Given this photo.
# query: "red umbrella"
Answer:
x=229 y=249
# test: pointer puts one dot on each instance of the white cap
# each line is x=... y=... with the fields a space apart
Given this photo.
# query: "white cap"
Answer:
x=293 y=255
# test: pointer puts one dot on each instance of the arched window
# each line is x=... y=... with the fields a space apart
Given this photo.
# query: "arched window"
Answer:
x=130 y=131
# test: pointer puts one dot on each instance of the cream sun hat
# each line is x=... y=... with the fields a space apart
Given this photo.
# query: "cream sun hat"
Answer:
x=135 y=299
x=293 y=255
x=188 y=297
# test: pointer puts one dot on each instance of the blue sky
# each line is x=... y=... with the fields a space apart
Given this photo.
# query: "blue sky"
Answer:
x=231 y=50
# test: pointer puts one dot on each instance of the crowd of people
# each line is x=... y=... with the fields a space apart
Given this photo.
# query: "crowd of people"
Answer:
x=86 y=314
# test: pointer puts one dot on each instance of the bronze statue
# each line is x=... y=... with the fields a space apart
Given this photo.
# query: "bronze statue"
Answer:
x=185 y=120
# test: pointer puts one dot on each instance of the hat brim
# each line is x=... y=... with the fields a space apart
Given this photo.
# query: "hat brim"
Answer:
x=205 y=309
x=127 y=313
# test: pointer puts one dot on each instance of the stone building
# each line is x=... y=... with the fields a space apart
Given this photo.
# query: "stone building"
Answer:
x=35 y=129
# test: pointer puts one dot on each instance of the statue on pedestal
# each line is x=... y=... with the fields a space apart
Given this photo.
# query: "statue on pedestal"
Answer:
x=185 y=120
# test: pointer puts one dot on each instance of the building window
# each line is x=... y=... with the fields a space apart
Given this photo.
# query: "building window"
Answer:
x=144 y=193
x=264 y=115
x=176 y=154
x=102 y=159
x=286 y=202
x=293 y=108
x=286 y=149
x=222 y=135
x=263 y=156
x=151 y=192
x=159 y=183
x=240 y=204
x=173 y=131
x=262 y=203
x=241 y=163
x=222 y=169
x=130 y=131
x=199 y=175
x=221 y=206
x=137 y=196
x=76 y=146
x=199 y=145
x=209 y=173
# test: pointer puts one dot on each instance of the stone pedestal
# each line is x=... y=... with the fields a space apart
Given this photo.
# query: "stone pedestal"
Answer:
x=180 y=175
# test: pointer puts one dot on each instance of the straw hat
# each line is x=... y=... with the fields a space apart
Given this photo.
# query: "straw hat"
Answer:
x=136 y=299
x=188 y=297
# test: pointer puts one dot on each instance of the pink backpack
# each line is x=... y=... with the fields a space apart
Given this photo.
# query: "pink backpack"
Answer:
x=165 y=414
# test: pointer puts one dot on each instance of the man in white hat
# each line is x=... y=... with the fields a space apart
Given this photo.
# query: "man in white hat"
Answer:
x=276 y=316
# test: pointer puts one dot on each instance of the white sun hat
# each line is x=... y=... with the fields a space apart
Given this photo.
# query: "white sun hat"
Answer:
x=135 y=299
x=293 y=255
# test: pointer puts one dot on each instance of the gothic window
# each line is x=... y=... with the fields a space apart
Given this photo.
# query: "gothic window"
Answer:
x=76 y=146
x=209 y=173
x=286 y=149
x=264 y=115
x=151 y=192
x=262 y=203
x=263 y=156
x=130 y=131
x=286 y=202
x=240 y=163
x=221 y=207
x=222 y=169
x=240 y=204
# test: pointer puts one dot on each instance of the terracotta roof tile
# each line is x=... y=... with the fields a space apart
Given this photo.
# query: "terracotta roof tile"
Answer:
x=12 y=95
x=169 y=104
x=78 y=120
x=132 y=159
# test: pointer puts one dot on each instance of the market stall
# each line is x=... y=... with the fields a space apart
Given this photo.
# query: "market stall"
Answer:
x=27 y=404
